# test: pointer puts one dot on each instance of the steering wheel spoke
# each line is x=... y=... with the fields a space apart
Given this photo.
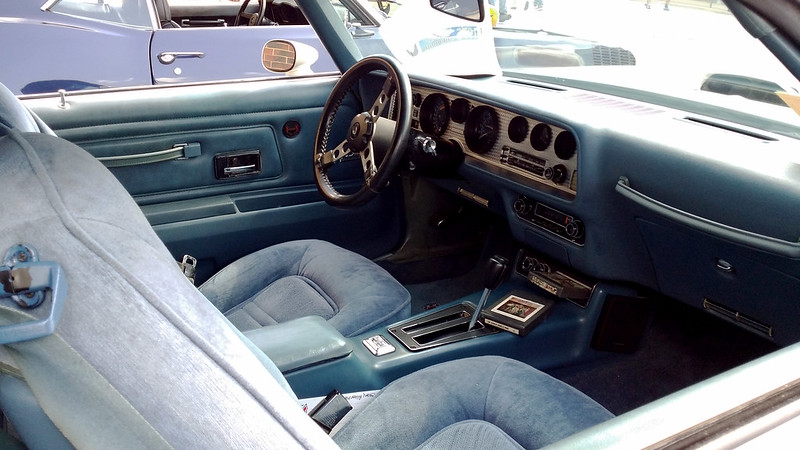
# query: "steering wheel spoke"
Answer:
x=250 y=18
x=380 y=148
x=368 y=163
x=388 y=89
x=331 y=157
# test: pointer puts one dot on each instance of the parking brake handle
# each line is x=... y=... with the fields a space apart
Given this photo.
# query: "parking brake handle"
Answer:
x=496 y=273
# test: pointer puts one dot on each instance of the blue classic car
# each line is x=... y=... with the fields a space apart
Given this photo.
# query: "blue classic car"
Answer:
x=386 y=255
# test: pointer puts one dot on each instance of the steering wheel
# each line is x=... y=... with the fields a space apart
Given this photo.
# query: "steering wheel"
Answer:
x=252 y=18
x=379 y=142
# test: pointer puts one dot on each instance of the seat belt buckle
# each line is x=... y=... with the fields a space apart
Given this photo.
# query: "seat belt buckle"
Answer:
x=330 y=410
x=189 y=267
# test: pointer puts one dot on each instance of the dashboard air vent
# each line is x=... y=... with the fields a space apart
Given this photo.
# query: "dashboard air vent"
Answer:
x=730 y=127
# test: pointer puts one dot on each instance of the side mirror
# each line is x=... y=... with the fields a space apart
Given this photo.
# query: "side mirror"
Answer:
x=465 y=9
x=291 y=58
x=748 y=87
x=279 y=56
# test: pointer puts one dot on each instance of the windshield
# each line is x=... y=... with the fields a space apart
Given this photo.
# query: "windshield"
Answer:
x=688 y=54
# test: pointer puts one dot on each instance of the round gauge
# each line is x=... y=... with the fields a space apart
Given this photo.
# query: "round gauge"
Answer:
x=565 y=145
x=434 y=114
x=518 y=129
x=541 y=136
x=460 y=110
x=481 y=129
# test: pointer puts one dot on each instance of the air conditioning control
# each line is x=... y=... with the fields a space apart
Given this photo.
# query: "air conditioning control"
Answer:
x=574 y=229
x=557 y=174
x=550 y=219
x=523 y=206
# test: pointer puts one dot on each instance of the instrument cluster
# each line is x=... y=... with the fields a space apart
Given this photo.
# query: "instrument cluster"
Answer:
x=509 y=142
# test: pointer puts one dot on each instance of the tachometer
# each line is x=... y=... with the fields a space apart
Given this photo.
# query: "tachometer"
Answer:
x=434 y=114
x=481 y=129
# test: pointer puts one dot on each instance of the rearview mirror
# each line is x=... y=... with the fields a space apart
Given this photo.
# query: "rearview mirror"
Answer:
x=466 y=9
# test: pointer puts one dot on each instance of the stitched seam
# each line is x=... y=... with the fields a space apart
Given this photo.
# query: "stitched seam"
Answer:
x=56 y=202
x=491 y=386
x=108 y=384
x=383 y=318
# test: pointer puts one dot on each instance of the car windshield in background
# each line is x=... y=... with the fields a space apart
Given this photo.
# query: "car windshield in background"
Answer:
x=692 y=54
x=689 y=54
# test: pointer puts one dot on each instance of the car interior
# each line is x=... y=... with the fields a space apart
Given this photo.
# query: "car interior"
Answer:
x=508 y=262
x=233 y=14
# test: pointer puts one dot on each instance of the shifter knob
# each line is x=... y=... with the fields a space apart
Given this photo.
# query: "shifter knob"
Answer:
x=496 y=271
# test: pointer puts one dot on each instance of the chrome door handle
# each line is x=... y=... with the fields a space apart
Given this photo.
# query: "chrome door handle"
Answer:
x=240 y=170
x=170 y=57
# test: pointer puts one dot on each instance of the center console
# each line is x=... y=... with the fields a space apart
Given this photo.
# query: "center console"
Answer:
x=565 y=336
x=441 y=327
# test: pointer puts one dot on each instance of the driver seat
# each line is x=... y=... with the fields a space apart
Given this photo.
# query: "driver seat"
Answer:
x=308 y=278
x=140 y=358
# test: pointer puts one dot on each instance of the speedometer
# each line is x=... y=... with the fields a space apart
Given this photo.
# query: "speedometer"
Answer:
x=481 y=129
x=434 y=114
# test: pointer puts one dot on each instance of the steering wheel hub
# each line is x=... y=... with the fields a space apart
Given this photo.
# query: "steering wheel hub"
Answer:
x=360 y=135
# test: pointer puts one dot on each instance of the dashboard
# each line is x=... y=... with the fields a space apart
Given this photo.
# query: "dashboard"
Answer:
x=537 y=151
x=669 y=200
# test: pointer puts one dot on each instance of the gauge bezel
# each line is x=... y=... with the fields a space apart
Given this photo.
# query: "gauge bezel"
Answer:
x=565 y=145
x=478 y=140
x=429 y=120
x=518 y=129
x=459 y=110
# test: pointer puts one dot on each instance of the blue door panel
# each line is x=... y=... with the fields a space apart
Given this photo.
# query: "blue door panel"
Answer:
x=217 y=220
x=196 y=172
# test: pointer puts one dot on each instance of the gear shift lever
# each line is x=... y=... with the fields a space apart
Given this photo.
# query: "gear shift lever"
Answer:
x=496 y=272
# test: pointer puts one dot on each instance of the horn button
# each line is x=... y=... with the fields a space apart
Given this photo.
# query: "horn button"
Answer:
x=361 y=129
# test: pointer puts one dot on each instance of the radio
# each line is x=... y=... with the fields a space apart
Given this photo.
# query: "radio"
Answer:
x=553 y=279
x=561 y=224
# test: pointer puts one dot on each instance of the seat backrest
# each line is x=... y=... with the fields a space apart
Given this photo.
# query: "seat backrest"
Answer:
x=139 y=358
x=14 y=115
x=165 y=14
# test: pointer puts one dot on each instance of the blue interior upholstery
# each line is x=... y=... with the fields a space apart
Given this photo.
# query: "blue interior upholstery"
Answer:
x=305 y=278
x=14 y=115
x=141 y=359
x=531 y=407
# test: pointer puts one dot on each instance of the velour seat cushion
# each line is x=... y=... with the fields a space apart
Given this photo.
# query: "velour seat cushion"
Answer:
x=304 y=278
x=494 y=400
x=14 y=115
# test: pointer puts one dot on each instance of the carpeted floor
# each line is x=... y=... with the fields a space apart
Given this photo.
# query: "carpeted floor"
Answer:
x=682 y=346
